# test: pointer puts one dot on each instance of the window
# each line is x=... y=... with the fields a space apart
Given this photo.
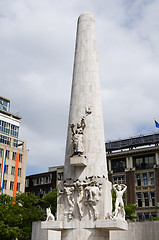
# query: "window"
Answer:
x=20 y=157
x=18 y=186
x=150 y=161
x=153 y=198
x=4 y=127
x=14 y=156
x=15 y=143
x=119 y=179
x=19 y=172
x=139 y=199
x=11 y=185
x=4 y=140
x=146 y=216
x=146 y=198
x=7 y=154
x=5 y=104
x=5 y=184
x=1 y=152
x=145 y=181
x=144 y=162
x=41 y=180
x=13 y=170
x=151 y=176
x=140 y=217
x=153 y=215
x=118 y=165
x=60 y=176
x=27 y=183
x=138 y=179
x=6 y=169
x=14 y=131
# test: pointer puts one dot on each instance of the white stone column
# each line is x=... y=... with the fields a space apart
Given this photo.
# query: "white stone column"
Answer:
x=129 y=163
x=86 y=96
x=157 y=158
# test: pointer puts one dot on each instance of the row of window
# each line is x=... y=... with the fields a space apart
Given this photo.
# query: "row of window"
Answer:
x=42 y=180
x=146 y=178
x=8 y=155
x=7 y=141
x=146 y=216
x=6 y=170
x=146 y=199
x=142 y=179
x=41 y=192
x=11 y=185
x=140 y=162
x=9 y=129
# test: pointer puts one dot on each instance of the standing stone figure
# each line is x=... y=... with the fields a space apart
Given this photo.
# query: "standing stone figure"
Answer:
x=92 y=196
x=119 y=204
x=80 y=194
x=69 y=190
x=77 y=137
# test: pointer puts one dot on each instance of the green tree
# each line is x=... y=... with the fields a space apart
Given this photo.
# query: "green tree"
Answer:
x=9 y=218
x=29 y=212
x=16 y=216
x=50 y=200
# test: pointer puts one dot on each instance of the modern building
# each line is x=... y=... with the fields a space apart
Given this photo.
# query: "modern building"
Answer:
x=13 y=152
x=135 y=162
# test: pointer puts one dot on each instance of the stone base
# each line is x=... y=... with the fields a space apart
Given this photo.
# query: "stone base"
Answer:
x=84 y=230
x=98 y=224
x=78 y=161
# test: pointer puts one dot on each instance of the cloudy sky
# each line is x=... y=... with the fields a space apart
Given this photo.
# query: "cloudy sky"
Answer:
x=37 y=40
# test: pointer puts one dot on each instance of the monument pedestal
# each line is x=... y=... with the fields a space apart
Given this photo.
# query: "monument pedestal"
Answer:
x=78 y=161
x=84 y=230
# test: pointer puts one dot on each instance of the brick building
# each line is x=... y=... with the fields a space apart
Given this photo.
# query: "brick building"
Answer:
x=135 y=162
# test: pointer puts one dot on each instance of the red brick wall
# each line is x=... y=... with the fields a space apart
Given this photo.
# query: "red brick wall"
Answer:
x=130 y=182
x=110 y=177
x=157 y=183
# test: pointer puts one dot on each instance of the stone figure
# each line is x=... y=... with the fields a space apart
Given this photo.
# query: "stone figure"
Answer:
x=92 y=196
x=119 y=204
x=80 y=194
x=77 y=137
x=69 y=190
x=88 y=110
x=50 y=216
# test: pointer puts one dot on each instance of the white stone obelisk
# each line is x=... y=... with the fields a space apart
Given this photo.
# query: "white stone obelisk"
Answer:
x=84 y=204
x=86 y=102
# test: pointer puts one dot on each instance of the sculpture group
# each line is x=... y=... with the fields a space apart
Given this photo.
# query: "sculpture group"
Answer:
x=83 y=194
x=86 y=194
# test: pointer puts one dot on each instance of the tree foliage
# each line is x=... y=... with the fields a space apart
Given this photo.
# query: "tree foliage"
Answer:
x=50 y=200
x=16 y=217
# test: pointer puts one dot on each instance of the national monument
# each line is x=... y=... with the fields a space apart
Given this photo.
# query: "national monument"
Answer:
x=84 y=209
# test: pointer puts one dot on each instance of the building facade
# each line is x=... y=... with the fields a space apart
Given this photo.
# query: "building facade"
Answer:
x=13 y=154
x=135 y=162
x=40 y=184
